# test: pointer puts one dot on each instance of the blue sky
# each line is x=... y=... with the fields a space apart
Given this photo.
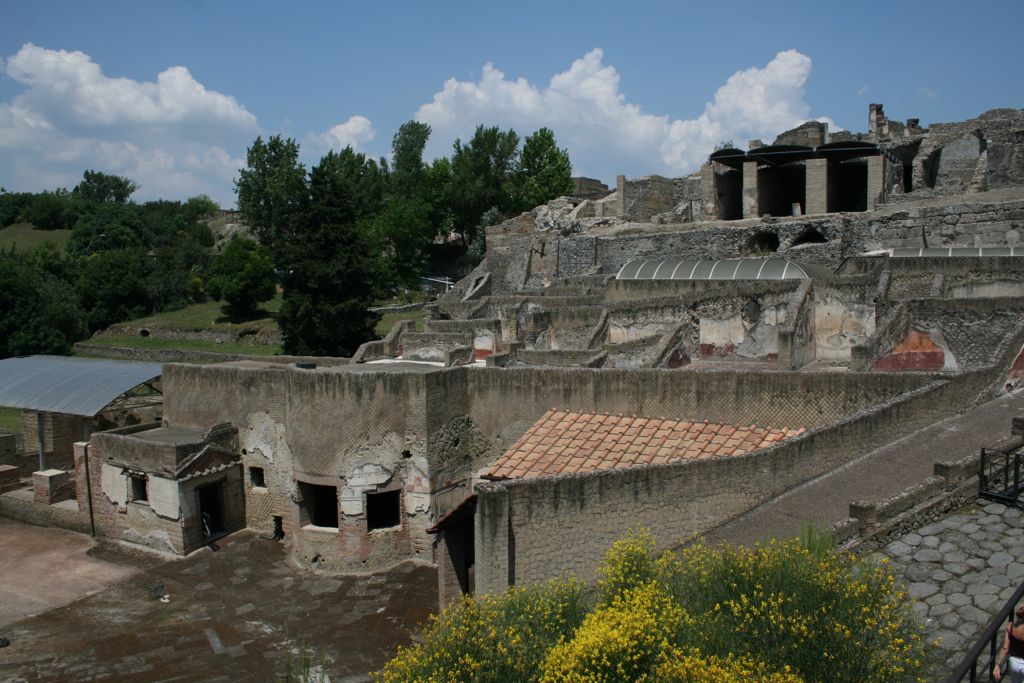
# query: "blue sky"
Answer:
x=171 y=94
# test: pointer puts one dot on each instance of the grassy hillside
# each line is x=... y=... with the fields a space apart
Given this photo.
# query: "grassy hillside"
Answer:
x=10 y=419
x=208 y=316
x=25 y=237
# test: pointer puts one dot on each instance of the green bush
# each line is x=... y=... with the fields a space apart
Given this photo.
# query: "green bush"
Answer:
x=784 y=612
x=492 y=638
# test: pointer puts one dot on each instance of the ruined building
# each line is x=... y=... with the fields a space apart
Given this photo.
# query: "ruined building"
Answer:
x=668 y=354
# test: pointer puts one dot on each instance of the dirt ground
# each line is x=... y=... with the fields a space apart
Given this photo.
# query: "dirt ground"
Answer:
x=230 y=615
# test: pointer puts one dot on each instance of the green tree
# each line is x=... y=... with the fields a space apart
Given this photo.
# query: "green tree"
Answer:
x=198 y=206
x=50 y=210
x=112 y=287
x=104 y=188
x=273 y=191
x=243 y=276
x=482 y=173
x=408 y=171
x=544 y=171
x=39 y=311
x=108 y=226
x=403 y=231
x=12 y=205
x=332 y=274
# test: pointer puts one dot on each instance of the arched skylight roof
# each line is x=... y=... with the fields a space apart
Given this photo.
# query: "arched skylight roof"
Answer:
x=718 y=269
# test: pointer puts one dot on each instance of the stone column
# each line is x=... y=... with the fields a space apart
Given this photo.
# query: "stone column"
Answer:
x=751 y=201
x=876 y=181
x=817 y=186
x=620 y=195
x=709 y=194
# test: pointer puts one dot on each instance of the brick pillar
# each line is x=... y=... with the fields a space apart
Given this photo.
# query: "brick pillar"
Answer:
x=709 y=204
x=10 y=478
x=876 y=181
x=52 y=486
x=751 y=201
x=620 y=196
x=817 y=186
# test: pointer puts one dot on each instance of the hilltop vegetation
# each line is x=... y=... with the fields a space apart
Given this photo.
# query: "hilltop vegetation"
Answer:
x=349 y=231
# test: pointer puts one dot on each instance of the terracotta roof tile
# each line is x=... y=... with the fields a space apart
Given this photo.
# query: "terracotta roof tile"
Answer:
x=564 y=442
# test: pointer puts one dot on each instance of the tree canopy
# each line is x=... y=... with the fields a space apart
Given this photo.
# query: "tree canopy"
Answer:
x=104 y=188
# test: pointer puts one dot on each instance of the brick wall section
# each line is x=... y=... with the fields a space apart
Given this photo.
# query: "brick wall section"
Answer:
x=52 y=486
x=60 y=432
x=10 y=478
x=533 y=530
x=817 y=186
x=751 y=198
x=24 y=509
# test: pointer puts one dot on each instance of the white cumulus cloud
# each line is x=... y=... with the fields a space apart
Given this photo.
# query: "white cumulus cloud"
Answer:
x=356 y=132
x=604 y=132
x=167 y=134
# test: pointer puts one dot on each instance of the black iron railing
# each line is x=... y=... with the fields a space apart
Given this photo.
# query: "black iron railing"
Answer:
x=991 y=640
x=999 y=475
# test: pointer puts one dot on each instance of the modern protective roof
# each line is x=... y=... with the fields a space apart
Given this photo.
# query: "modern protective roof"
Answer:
x=73 y=386
x=778 y=155
x=563 y=442
x=717 y=269
x=957 y=251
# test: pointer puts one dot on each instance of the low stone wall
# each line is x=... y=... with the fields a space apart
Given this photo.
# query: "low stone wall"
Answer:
x=194 y=356
x=20 y=506
x=533 y=530
x=873 y=525
x=257 y=335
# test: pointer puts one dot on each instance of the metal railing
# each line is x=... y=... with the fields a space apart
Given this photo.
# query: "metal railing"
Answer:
x=999 y=475
x=991 y=639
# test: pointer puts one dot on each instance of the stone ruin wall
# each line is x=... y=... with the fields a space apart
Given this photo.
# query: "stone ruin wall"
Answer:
x=549 y=526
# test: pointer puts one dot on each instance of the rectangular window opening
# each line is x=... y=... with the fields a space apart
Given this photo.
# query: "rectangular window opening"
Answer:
x=140 y=489
x=319 y=505
x=256 y=477
x=383 y=510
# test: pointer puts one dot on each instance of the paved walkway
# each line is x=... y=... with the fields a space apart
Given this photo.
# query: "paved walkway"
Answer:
x=961 y=571
x=230 y=616
x=877 y=475
x=45 y=568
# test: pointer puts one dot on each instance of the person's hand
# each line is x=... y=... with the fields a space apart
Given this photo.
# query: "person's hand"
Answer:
x=998 y=673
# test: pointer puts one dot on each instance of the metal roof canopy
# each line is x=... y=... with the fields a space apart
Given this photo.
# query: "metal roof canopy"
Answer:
x=718 y=269
x=73 y=386
x=904 y=252
x=779 y=155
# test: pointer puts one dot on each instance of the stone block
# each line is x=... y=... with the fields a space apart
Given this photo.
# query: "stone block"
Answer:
x=52 y=486
x=9 y=478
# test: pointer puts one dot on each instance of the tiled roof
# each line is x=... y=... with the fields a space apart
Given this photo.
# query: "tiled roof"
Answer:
x=570 y=443
x=207 y=461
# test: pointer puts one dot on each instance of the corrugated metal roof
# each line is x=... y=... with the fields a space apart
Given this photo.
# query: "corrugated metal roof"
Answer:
x=903 y=252
x=718 y=269
x=63 y=384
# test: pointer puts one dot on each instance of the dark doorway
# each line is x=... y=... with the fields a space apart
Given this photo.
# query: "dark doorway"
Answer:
x=848 y=185
x=319 y=505
x=809 y=236
x=462 y=551
x=383 y=510
x=763 y=242
x=729 y=190
x=211 y=510
x=780 y=188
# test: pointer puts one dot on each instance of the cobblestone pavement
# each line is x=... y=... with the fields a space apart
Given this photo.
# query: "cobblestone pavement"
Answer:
x=231 y=615
x=961 y=571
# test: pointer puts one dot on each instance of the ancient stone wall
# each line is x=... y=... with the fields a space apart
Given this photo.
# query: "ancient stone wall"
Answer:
x=532 y=530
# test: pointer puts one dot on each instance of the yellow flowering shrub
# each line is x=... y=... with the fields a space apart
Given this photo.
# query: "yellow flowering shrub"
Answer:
x=491 y=638
x=785 y=612
x=693 y=667
x=620 y=641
